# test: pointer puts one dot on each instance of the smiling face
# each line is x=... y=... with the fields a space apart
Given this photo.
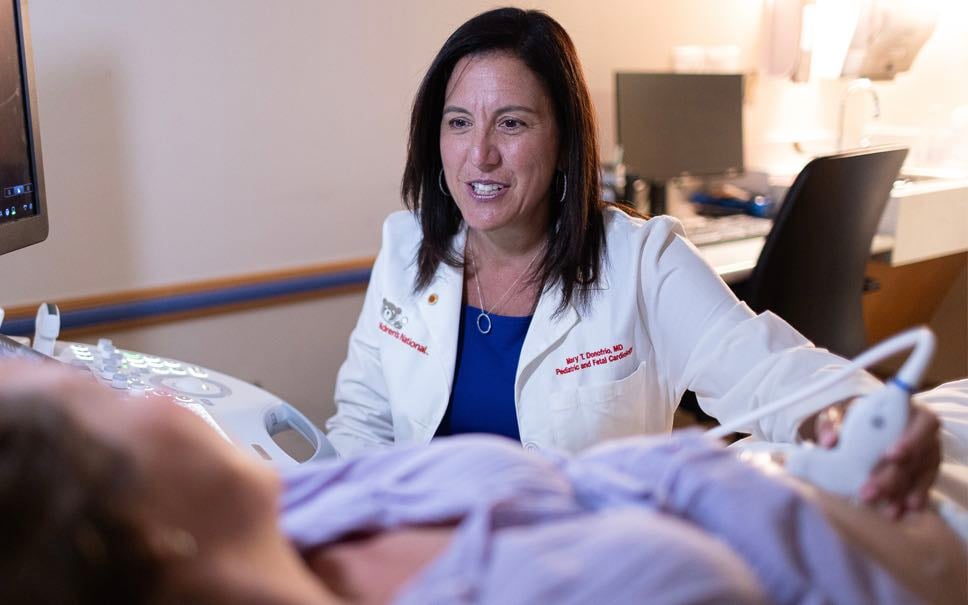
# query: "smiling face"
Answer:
x=499 y=145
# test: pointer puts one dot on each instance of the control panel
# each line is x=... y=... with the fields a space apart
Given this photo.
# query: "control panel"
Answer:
x=240 y=412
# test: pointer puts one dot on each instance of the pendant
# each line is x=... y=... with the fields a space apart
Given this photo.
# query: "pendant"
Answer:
x=484 y=323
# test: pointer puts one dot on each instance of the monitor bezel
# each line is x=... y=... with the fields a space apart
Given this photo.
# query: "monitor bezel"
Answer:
x=34 y=229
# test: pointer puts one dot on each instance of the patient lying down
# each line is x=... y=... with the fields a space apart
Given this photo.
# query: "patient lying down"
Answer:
x=104 y=500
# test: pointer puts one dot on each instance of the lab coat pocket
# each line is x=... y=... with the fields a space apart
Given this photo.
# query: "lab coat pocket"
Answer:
x=589 y=414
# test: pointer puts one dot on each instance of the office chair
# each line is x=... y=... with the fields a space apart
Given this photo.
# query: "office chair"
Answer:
x=811 y=269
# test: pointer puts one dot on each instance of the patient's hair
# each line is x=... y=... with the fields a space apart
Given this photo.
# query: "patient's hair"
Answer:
x=67 y=536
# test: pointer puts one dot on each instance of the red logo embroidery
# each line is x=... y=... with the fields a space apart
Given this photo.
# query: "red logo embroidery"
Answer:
x=590 y=359
x=413 y=344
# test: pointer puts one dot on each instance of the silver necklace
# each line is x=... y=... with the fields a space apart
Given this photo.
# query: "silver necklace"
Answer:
x=484 y=318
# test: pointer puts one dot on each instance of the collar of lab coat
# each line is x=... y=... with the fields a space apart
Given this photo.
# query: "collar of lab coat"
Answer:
x=546 y=330
x=444 y=315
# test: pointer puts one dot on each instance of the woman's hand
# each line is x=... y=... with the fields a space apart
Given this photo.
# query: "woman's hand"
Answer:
x=826 y=426
x=907 y=470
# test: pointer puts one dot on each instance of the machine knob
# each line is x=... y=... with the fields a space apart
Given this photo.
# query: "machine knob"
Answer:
x=119 y=381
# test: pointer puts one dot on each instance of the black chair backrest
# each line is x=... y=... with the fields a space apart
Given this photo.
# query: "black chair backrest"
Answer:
x=811 y=269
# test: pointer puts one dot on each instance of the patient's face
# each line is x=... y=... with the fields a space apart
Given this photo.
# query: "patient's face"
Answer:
x=200 y=500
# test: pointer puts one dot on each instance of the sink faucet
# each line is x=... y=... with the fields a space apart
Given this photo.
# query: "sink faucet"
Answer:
x=861 y=84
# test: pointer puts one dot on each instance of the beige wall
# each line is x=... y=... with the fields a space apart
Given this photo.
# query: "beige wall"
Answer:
x=195 y=139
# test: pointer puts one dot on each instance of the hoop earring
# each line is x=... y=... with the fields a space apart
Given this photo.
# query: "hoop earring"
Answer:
x=564 y=187
x=440 y=183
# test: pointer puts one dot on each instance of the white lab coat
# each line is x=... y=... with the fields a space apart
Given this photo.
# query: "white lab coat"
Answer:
x=660 y=322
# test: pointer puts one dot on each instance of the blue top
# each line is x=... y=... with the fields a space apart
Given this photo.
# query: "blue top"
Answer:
x=482 y=400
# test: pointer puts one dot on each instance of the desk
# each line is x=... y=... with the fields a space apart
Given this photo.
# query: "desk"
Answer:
x=921 y=263
x=925 y=218
x=734 y=261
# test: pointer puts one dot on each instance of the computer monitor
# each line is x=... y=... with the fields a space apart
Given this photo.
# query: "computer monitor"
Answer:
x=23 y=208
x=670 y=125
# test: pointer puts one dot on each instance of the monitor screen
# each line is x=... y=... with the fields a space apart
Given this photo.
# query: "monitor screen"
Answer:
x=671 y=125
x=23 y=213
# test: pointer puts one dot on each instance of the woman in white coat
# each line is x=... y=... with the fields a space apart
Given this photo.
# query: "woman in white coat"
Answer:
x=510 y=299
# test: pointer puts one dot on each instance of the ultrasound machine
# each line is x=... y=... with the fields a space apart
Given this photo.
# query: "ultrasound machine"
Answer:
x=242 y=413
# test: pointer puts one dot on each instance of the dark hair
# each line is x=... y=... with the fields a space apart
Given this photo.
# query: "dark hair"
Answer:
x=67 y=536
x=576 y=233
